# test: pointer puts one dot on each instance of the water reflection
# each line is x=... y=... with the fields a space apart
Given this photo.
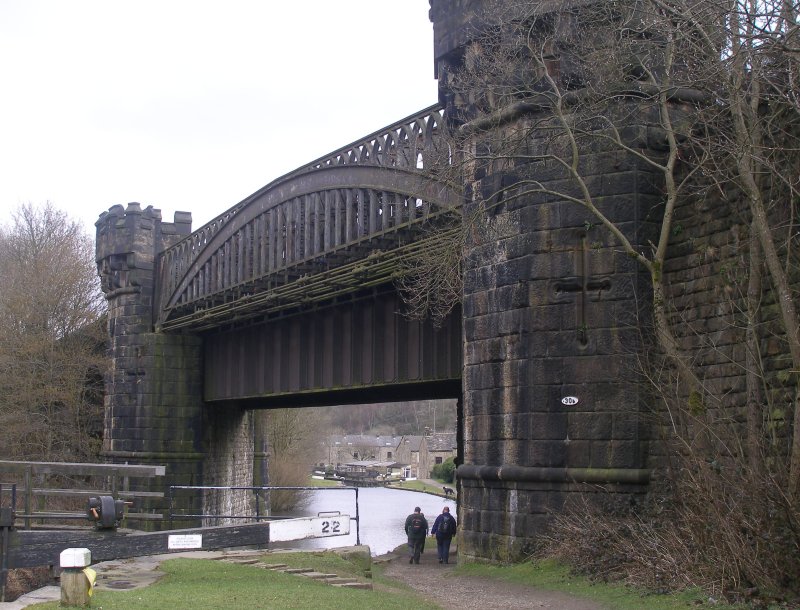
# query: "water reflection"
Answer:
x=382 y=514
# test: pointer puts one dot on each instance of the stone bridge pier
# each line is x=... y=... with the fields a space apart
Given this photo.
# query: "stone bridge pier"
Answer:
x=552 y=406
x=154 y=412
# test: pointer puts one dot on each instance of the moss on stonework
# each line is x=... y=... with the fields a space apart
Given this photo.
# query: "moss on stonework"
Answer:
x=696 y=404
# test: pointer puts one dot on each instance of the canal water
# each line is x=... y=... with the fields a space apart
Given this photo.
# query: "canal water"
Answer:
x=382 y=515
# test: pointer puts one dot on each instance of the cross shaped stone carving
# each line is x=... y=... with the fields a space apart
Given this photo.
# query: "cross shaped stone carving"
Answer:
x=583 y=284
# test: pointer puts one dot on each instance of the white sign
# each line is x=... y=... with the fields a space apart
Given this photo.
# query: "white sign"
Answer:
x=185 y=541
x=309 y=527
x=569 y=400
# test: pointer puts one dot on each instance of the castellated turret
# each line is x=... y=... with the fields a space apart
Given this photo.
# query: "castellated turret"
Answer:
x=129 y=240
x=152 y=385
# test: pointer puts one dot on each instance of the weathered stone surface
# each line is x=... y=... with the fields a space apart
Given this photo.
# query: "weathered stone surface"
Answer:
x=554 y=321
x=574 y=333
x=154 y=406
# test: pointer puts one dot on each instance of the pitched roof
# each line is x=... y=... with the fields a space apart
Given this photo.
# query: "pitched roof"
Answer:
x=414 y=442
x=442 y=441
x=362 y=440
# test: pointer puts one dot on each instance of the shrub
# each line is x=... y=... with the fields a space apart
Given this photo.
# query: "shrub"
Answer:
x=444 y=472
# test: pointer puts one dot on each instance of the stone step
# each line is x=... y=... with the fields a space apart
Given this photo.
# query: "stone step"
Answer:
x=339 y=580
x=354 y=585
x=328 y=578
x=318 y=575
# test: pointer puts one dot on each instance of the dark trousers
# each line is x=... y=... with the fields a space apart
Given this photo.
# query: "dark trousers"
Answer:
x=415 y=548
x=443 y=547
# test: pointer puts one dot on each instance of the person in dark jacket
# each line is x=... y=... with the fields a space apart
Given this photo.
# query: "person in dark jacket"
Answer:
x=444 y=528
x=416 y=530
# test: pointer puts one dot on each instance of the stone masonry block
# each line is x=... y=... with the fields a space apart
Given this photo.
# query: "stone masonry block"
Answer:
x=591 y=426
x=547 y=426
x=626 y=425
x=550 y=454
x=579 y=453
x=615 y=454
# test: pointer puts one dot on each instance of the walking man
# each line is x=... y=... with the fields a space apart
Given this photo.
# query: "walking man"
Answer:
x=444 y=528
x=416 y=530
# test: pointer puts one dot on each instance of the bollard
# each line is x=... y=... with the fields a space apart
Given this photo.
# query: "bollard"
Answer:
x=76 y=584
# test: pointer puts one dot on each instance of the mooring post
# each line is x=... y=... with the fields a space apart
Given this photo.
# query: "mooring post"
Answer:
x=28 y=496
x=6 y=523
x=76 y=583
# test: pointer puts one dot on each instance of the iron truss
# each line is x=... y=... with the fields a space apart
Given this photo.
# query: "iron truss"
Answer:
x=338 y=225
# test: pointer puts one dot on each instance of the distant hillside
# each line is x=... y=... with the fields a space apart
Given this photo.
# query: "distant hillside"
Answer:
x=395 y=418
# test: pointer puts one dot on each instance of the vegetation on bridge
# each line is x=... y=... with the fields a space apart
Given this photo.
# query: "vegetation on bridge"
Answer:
x=700 y=101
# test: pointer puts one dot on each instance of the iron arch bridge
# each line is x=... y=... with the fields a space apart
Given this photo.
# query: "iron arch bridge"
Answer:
x=338 y=225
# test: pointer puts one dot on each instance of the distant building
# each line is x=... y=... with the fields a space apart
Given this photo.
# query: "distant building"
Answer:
x=411 y=450
x=441 y=446
x=341 y=449
x=415 y=455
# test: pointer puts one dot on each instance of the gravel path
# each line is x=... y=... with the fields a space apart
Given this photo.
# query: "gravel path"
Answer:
x=438 y=583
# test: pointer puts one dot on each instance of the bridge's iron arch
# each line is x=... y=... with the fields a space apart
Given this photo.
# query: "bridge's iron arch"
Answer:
x=335 y=231
x=331 y=227
x=292 y=289
x=286 y=299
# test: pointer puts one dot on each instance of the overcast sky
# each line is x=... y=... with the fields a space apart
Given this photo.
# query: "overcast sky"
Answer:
x=192 y=105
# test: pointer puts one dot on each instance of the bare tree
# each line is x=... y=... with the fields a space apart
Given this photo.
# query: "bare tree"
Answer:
x=702 y=96
x=292 y=439
x=51 y=338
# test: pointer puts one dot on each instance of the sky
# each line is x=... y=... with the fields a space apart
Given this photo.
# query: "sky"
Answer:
x=192 y=105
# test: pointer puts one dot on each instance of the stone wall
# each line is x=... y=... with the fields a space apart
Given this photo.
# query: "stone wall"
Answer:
x=229 y=462
x=707 y=274
x=554 y=309
x=153 y=400
x=552 y=325
x=552 y=399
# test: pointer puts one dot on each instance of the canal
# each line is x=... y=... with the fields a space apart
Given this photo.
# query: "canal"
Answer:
x=382 y=515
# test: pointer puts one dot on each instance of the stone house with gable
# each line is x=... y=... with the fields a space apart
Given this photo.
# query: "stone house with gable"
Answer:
x=417 y=454
x=412 y=450
x=340 y=449
x=441 y=446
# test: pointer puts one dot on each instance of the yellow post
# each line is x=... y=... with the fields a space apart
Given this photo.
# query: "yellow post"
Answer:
x=74 y=588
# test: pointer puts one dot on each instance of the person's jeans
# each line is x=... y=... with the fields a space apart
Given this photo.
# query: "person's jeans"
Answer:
x=415 y=548
x=443 y=548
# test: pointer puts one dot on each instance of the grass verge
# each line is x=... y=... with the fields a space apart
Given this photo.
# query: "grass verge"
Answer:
x=557 y=577
x=202 y=584
x=419 y=486
x=322 y=483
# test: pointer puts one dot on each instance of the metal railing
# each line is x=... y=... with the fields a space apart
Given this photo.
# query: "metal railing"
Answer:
x=257 y=490
x=34 y=483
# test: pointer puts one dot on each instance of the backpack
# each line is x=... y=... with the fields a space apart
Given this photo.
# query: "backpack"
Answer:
x=417 y=525
x=444 y=526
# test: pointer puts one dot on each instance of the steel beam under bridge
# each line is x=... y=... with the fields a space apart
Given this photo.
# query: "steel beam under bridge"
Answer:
x=357 y=351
